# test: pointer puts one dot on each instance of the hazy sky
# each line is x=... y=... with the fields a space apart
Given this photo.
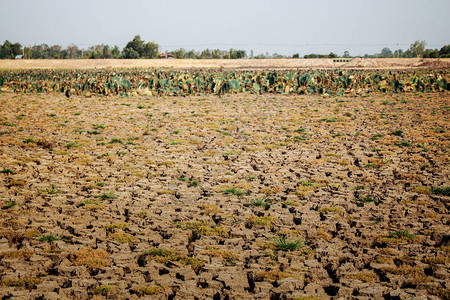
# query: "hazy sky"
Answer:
x=282 y=26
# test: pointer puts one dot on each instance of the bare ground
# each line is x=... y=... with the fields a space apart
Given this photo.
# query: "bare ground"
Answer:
x=358 y=63
x=191 y=197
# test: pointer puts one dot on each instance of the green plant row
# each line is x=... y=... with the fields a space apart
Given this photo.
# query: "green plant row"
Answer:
x=198 y=82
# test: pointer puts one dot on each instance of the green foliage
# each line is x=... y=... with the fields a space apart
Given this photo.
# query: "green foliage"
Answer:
x=259 y=202
x=398 y=132
x=443 y=190
x=6 y=171
x=9 y=204
x=283 y=244
x=73 y=145
x=401 y=234
x=234 y=191
x=49 y=238
x=106 y=196
x=175 y=83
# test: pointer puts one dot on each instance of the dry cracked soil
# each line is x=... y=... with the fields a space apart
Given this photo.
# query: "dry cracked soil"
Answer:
x=234 y=197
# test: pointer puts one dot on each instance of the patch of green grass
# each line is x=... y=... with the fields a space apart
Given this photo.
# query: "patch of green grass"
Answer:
x=9 y=204
x=399 y=234
x=330 y=120
x=404 y=144
x=297 y=139
x=442 y=190
x=49 y=238
x=6 y=123
x=234 y=191
x=73 y=145
x=106 y=196
x=29 y=140
x=116 y=141
x=300 y=130
x=264 y=201
x=98 y=126
x=377 y=136
x=359 y=187
x=176 y=131
x=173 y=142
x=283 y=244
x=52 y=190
x=6 y=171
x=371 y=165
x=367 y=199
x=439 y=130
x=397 y=132
x=94 y=132
x=223 y=132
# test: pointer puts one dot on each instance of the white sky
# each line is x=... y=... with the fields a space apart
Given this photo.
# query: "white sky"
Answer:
x=282 y=26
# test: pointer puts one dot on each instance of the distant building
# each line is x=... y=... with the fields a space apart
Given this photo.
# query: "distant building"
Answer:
x=19 y=57
x=166 y=56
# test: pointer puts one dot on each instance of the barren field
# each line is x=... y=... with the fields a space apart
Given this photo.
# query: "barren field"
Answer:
x=234 y=197
x=356 y=63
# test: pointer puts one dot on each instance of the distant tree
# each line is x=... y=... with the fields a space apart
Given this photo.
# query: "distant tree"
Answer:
x=150 y=50
x=7 y=50
x=346 y=54
x=399 y=53
x=386 y=52
x=429 y=53
x=130 y=53
x=17 y=49
x=205 y=53
x=241 y=54
x=73 y=51
x=115 y=52
x=216 y=54
x=332 y=55
x=296 y=55
x=137 y=48
x=445 y=51
x=251 y=54
x=417 y=48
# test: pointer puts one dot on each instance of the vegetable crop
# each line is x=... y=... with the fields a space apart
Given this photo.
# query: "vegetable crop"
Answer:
x=198 y=82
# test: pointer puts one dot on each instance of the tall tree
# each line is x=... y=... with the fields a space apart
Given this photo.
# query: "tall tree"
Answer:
x=417 y=48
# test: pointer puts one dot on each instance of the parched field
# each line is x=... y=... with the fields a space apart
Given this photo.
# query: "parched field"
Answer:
x=234 y=197
x=252 y=64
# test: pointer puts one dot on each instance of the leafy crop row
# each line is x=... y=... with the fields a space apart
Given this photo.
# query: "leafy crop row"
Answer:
x=197 y=82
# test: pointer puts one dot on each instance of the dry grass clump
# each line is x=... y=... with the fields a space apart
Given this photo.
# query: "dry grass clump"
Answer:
x=104 y=290
x=425 y=190
x=150 y=290
x=165 y=255
x=122 y=237
x=258 y=222
x=275 y=275
x=201 y=228
x=25 y=254
x=364 y=276
x=27 y=282
x=90 y=258
x=227 y=255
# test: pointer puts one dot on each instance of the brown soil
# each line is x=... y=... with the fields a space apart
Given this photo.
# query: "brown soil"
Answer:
x=357 y=63
x=145 y=196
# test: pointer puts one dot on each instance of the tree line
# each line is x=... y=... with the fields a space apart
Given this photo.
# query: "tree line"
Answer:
x=138 y=48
